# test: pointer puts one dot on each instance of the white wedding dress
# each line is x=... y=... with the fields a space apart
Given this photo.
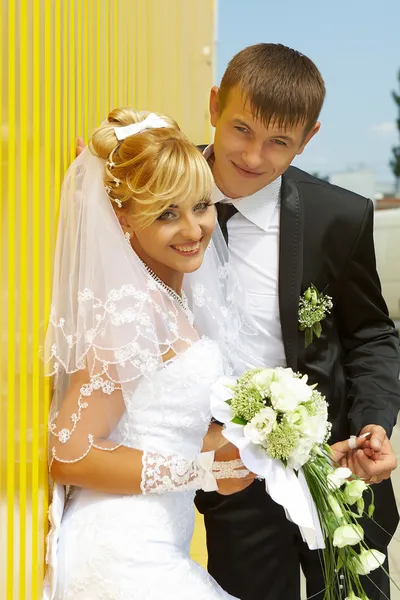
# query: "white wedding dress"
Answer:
x=110 y=547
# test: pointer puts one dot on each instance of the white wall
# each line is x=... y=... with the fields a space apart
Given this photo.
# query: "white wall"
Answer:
x=361 y=181
x=387 y=247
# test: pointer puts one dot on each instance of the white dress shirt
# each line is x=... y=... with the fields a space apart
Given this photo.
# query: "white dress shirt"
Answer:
x=253 y=234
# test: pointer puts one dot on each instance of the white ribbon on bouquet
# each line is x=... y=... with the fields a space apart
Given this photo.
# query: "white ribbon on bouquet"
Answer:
x=285 y=486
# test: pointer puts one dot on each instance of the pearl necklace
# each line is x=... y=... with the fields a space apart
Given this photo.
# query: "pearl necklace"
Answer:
x=181 y=300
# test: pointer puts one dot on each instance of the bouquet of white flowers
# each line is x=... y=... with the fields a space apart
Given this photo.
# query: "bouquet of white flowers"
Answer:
x=280 y=425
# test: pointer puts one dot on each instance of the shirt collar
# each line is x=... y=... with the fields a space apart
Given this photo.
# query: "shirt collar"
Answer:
x=257 y=208
x=207 y=152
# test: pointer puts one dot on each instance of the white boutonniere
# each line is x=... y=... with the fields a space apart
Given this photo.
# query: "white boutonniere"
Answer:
x=313 y=308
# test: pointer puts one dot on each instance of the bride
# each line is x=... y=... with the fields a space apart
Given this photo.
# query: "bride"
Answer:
x=142 y=324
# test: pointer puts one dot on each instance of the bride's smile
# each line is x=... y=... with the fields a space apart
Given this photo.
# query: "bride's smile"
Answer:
x=176 y=241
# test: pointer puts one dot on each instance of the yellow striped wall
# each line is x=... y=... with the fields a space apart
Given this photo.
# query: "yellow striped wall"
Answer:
x=64 y=64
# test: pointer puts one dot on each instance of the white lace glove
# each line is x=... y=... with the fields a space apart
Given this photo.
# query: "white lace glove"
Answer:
x=230 y=469
x=162 y=474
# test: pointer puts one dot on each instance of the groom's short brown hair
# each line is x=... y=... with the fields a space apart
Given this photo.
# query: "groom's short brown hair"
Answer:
x=282 y=85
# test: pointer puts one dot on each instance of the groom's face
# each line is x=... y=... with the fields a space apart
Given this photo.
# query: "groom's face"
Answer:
x=247 y=154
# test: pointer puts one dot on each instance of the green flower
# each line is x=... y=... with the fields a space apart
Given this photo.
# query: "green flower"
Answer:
x=352 y=596
x=368 y=560
x=247 y=400
x=354 y=490
x=313 y=308
x=335 y=506
x=310 y=406
x=282 y=441
x=309 y=315
x=347 y=535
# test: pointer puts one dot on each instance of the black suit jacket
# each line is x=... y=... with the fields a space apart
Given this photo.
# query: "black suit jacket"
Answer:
x=326 y=238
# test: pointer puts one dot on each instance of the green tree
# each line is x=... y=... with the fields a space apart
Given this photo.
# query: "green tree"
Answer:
x=395 y=162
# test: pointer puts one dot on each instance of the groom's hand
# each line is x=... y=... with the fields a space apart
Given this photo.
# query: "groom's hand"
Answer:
x=375 y=460
x=377 y=436
x=80 y=145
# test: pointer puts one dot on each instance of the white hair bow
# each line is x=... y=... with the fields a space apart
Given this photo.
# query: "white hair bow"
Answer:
x=152 y=121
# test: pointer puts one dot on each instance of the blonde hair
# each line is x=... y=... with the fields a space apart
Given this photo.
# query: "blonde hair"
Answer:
x=151 y=169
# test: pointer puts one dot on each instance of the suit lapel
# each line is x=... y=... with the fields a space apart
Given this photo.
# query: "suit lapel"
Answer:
x=290 y=266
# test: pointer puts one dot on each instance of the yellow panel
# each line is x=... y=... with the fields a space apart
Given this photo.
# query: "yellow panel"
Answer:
x=63 y=66
x=11 y=408
x=37 y=267
x=23 y=329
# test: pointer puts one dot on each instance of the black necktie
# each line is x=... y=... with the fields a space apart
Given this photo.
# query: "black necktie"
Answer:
x=225 y=212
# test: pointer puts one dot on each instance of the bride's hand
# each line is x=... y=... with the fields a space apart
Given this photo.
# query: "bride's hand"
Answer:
x=231 y=485
x=227 y=487
x=214 y=440
x=226 y=452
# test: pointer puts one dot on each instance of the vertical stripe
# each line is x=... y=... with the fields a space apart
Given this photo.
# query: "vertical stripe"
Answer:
x=47 y=262
x=131 y=63
x=79 y=67
x=23 y=292
x=117 y=54
x=57 y=99
x=65 y=20
x=89 y=33
x=38 y=170
x=99 y=107
x=86 y=69
x=3 y=338
x=151 y=68
x=11 y=300
x=72 y=80
x=141 y=75
x=116 y=58
x=106 y=40
x=125 y=58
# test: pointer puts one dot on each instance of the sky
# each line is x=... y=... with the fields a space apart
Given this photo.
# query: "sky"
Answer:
x=356 y=46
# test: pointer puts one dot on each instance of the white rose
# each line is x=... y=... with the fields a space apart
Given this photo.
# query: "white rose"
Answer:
x=288 y=393
x=368 y=560
x=354 y=490
x=301 y=453
x=312 y=426
x=347 y=535
x=335 y=506
x=254 y=434
x=260 y=426
x=316 y=427
x=282 y=373
x=339 y=477
x=262 y=381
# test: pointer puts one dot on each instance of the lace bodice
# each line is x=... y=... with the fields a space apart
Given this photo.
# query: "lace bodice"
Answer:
x=170 y=413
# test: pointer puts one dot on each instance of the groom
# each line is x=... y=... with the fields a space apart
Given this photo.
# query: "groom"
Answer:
x=287 y=230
